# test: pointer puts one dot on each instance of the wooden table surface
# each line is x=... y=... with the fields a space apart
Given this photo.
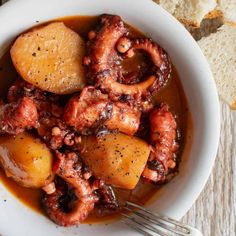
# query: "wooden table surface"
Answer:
x=214 y=213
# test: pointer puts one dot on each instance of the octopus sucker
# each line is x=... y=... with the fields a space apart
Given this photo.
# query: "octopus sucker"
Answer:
x=163 y=135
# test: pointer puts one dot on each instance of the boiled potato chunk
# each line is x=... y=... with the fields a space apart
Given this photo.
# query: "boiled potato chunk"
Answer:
x=26 y=159
x=50 y=58
x=118 y=159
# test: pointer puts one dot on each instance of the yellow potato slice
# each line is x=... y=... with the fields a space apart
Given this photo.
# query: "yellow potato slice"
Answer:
x=50 y=58
x=118 y=159
x=26 y=159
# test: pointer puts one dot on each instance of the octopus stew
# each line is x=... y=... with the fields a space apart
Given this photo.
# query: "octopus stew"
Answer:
x=93 y=115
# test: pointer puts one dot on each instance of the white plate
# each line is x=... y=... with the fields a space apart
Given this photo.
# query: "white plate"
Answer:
x=177 y=196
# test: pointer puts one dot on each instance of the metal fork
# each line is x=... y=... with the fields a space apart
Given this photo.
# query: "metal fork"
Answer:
x=150 y=224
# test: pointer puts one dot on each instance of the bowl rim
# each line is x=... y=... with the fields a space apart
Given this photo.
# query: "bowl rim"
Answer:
x=12 y=7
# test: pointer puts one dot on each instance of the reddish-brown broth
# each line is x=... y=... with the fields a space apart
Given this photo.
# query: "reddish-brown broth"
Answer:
x=172 y=94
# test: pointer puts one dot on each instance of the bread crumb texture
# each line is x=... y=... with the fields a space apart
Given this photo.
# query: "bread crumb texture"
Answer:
x=168 y=5
x=220 y=51
x=189 y=12
x=228 y=7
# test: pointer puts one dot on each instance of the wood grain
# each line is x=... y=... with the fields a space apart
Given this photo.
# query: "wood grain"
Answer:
x=214 y=213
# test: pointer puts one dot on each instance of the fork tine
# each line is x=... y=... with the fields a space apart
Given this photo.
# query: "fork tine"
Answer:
x=163 y=218
x=136 y=227
x=157 y=222
x=148 y=227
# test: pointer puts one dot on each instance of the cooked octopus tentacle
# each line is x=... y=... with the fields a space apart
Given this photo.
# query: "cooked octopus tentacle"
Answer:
x=124 y=118
x=50 y=126
x=102 y=53
x=108 y=84
x=107 y=198
x=159 y=58
x=92 y=109
x=17 y=116
x=66 y=168
x=103 y=58
x=44 y=101
x=163 y=145
x=83 y=111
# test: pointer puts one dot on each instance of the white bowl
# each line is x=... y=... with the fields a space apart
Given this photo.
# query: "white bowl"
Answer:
x=176 y=197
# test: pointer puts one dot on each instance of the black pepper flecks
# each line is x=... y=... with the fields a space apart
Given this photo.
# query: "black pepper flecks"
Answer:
x=34 y=54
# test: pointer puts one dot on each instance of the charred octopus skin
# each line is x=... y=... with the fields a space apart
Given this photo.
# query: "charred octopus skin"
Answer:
x=92 y=109
x=82 y=204
x=164 y=146
x=103 y=47
x=15 y=117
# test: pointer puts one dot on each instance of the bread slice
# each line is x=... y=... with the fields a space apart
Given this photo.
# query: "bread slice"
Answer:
x=189 y=12
x=220 y=50
x=169 y=5
x=192 y=12
x=228 y=7
x=211 y=22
